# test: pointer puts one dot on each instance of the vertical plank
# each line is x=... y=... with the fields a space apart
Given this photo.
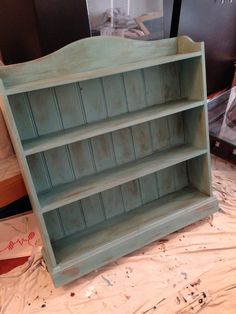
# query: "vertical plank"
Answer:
x=153 y=78
x=171 y=82
x=44 y=111
x=72 y=114
x=70 y=105
x=47 y=119
x=191 y=74
x=124 y=152
x=39 y=173
x=160 y=133
x=93 y=211
x=123 y=146
x=72 y=218
x=113 y=202
x=166 y=179
x=93 y=100
x=195 y=127
x=114 y=94
x=90 y=208
x=81 y=159
x=176 y=129
x=54 y=227
x=96 y=153
x=181 y=176
x=131 y=195
x=165 y=131
x=21 y=112
x=56 y=163
x=143 y=147
x=103 y=152
x=83 y=164
x=27 y=129
x=120 y=141
x=142 y=141
x=135 y=90
x=95 y=109
x=149 y=188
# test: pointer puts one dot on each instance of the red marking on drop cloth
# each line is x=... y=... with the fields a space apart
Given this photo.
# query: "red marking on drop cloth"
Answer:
x=7 y=265
x=10 y=246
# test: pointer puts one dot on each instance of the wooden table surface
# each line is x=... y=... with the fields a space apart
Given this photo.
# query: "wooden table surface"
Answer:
x=11 y=182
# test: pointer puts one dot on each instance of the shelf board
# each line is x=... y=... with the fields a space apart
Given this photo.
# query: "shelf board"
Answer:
x=64 y=137
x=18 y=85
x=125 y=233
x=76 y=190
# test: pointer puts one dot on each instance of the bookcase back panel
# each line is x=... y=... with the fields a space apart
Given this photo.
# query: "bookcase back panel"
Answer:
x=78 y=160
x=49 y=110
x=114 y=202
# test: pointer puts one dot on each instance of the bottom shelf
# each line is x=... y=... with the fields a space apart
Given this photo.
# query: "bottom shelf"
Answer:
x=78 y=254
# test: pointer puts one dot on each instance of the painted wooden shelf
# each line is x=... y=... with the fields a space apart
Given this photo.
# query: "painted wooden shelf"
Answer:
x=41 y=79
x=112 y=139
x=71 y=192
x=60 y=138
x=142 y=225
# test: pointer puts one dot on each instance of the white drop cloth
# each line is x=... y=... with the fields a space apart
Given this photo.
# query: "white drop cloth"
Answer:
x=167 y=276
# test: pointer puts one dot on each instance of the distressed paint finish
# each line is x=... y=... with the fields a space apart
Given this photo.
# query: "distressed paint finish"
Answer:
x=111 y=135
x=92 y=58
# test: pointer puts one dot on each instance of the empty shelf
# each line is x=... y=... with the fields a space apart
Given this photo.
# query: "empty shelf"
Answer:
x=45 y=142
x=73 y=191
x=19 y=83
x=120 y=235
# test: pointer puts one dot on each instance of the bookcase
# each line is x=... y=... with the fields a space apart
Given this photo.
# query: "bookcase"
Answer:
x=112 y=138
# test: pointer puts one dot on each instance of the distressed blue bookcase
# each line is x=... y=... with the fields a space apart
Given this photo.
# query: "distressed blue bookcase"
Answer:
x=112 y=138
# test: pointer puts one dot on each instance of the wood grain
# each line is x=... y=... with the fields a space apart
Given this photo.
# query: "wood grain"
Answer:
x=112 y=139
x=120 y=236
x=90 y=58
x=12 y=186
x=59 y=138
x=74 y=191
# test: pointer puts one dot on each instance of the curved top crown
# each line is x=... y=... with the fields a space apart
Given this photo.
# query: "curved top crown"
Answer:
x=88 y=58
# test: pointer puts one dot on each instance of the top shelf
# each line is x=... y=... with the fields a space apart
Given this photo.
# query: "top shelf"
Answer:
x=92 y=58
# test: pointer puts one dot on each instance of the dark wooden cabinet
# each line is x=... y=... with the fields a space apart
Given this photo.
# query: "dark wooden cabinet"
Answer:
x=61 y=22
x=19 y=39
x=30 y=29
x=214 y=23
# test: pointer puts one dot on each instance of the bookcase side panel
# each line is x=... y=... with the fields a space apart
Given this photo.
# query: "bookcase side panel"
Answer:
x=191 y=79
